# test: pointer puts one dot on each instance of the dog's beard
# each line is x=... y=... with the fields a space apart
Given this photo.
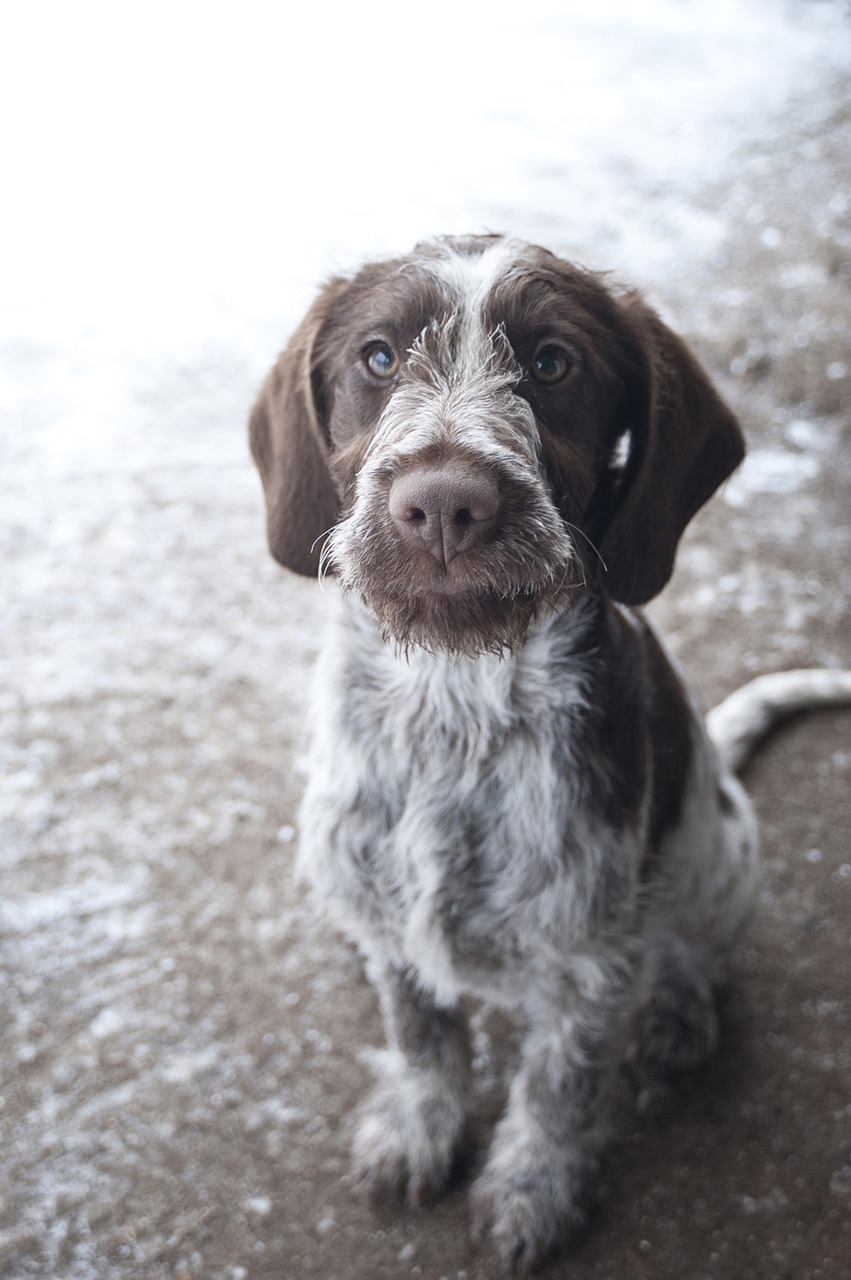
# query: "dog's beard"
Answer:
x=484 y=602
x=469 y=624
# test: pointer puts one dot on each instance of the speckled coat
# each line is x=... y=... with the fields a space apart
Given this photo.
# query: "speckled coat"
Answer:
x=511 y=794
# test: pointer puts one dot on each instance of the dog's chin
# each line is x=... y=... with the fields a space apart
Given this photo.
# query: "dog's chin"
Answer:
x=445 y=617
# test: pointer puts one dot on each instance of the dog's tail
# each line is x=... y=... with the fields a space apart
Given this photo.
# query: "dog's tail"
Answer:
x=739 y=723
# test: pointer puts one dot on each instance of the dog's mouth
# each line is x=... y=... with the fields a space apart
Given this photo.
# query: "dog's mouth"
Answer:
x=476 y=605
x=445 y=615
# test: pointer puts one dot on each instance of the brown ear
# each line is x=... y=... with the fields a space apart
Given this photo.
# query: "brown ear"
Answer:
x=684 y=443
x=290 y=449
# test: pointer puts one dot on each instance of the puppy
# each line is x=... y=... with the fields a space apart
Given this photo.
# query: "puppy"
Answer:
x=512 y=793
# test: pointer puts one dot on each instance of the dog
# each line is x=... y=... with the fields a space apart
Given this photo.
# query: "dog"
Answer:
x=512 y=792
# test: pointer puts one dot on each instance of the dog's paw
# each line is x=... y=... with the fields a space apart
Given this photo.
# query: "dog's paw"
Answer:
x=528 y=1214
x=393 y=1167
x=677 y=1031
x=405 y=1146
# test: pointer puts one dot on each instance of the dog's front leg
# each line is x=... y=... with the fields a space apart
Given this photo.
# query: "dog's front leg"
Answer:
x=537 y=1185
x=408 y=1137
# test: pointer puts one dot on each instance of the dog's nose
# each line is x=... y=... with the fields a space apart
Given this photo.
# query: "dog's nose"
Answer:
x=448 y=509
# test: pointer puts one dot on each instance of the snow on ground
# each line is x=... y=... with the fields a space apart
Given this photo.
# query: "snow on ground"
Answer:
x=178 y=1050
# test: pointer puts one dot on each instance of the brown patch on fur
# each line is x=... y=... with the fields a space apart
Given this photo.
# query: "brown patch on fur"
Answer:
x=671 y=720
x=290 y=449
x=616 y=748
x=685 y=442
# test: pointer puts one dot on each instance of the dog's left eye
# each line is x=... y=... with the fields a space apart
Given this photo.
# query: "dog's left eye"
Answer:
x=550 y=365
x=382 y=361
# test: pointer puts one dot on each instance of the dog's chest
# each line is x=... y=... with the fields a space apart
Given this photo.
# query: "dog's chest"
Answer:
x=441 y=810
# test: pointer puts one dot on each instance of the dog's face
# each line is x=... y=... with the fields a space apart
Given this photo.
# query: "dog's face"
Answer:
x=469 y=434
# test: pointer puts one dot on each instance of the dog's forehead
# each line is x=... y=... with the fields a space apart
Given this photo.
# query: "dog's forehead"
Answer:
x=486 y=277
x=471 y=270
x=483 y=280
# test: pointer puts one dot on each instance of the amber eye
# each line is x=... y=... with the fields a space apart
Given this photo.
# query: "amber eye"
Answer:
x=550 y=365
x=382 y=361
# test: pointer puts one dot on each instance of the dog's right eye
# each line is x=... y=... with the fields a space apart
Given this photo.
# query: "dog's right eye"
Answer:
x=550 y=365
x=382 y=361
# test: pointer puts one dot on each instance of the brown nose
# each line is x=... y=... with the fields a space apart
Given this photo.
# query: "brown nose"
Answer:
x=446 y=509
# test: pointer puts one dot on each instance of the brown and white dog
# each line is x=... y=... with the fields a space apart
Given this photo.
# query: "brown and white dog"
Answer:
x=512 y=793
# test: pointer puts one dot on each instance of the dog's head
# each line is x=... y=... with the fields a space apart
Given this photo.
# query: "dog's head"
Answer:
x=469 y=434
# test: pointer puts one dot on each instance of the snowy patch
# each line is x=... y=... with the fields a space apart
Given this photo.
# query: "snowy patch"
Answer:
x=107 y=1023
x=260 y=1206
x=185 y=1068
x=769 y=470
x=809 y=435
x=326 y=1223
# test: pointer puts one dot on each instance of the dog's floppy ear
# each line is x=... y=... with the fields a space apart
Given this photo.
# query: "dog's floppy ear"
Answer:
x=290 y=448
x=683 y=443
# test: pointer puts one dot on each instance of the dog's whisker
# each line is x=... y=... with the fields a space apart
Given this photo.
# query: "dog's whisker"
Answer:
x=574 y=528
x=326 y=553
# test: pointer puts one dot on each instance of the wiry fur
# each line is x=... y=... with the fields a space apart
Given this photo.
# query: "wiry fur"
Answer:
x=440 y=411
x=511 y=793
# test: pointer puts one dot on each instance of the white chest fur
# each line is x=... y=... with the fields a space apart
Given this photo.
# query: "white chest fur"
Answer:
x=442 y=813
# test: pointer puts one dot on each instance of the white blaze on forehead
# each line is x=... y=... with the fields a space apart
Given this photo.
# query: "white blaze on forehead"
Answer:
x=471 y=278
